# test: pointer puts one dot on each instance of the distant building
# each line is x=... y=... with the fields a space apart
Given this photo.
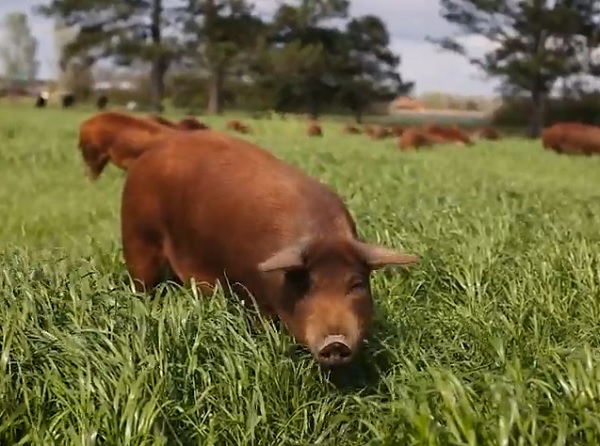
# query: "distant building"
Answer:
x=114 y=85
x=406 y=103
x=17 y=89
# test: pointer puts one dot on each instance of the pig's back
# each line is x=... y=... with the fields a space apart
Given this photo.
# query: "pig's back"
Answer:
x=221 y=203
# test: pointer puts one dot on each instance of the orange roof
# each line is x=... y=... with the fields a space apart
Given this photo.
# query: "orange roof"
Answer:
x=406 y=103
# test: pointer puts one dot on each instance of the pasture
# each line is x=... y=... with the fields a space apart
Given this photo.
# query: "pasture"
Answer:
x=492 y=339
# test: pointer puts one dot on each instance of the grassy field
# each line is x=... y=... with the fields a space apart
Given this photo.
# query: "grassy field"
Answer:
x=447 y=117
x=493 y=339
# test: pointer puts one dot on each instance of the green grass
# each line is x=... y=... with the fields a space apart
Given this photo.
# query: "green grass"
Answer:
x=492 y=339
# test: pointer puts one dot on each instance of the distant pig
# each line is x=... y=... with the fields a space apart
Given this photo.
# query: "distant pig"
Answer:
x=191 y=123
x=238 y=126
x=225 y=208
x=314 y=129
x=350 y=129
x=162 y=121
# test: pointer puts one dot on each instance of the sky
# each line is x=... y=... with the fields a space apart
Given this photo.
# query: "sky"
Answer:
x=409 y=23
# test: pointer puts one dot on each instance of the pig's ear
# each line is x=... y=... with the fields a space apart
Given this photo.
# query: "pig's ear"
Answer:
x=377 y=256
x=287 y=259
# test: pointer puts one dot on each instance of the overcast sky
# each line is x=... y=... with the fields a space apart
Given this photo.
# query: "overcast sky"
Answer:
x=408 y=21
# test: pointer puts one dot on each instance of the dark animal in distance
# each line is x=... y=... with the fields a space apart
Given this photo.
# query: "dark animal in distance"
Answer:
x=101 y=102
x=225 y=208
x=40 y=102
x=68 y=100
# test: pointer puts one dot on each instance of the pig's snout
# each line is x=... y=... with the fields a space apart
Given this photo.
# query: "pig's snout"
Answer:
x=334 y=350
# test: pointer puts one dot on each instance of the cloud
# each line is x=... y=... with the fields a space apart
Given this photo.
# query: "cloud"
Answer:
x=409 y=23
x=434 y=70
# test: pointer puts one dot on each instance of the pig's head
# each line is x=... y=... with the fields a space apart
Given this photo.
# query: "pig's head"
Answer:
x=95 y=158
x=327 y=303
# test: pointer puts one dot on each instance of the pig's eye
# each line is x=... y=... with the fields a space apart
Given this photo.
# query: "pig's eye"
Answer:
x=299 y=279
x=356 y=285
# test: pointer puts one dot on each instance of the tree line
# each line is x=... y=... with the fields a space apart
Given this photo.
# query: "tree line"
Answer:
x=305 y=55
x=312 y=54
x=537 y=45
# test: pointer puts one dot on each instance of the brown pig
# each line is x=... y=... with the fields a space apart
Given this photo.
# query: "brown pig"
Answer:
x=489 y=133
x=188 y=123
x=191 y=123
x=116 y=137
x=414 y=138
x=314 y=129
x=397 y=130
x=238 y=126
x=350 y=129
x=450 y=133
x=379 y=132
x=162 y=120
x=564 y=137
x=225 y=208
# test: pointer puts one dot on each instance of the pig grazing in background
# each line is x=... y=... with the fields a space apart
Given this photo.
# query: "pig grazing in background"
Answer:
x=488 y=133
x=350 y=129
x=314 y=129
x=452 y=134
x=570 y=138
x=188 y=123
x=118 y=138
x=415 y=138
x=210 y=206
x=238 y=126
x=191 y=123
x=379 y=132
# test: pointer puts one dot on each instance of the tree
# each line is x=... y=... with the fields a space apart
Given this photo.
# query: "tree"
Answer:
x=18 y=49
x=222 y=37
x=124 y=31
x=584 y=40
x=369 y=69
x=305 y=53
x=74 y=72
x=312 y=63
x=534 y=43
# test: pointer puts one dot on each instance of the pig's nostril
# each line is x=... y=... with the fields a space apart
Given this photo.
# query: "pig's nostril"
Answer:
x=335 y=353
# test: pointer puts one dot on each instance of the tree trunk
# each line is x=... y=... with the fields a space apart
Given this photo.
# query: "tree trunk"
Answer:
x=313 y=106
x=157 y=84
x=565 y=90
x=159 y=61
x=358 y=113
x=536 y=121
x=215 y=92
x=538 y=90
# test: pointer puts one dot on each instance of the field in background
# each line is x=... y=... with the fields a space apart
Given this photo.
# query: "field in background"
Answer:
x=447 y=117
x=492 y=339
x=408 y=117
